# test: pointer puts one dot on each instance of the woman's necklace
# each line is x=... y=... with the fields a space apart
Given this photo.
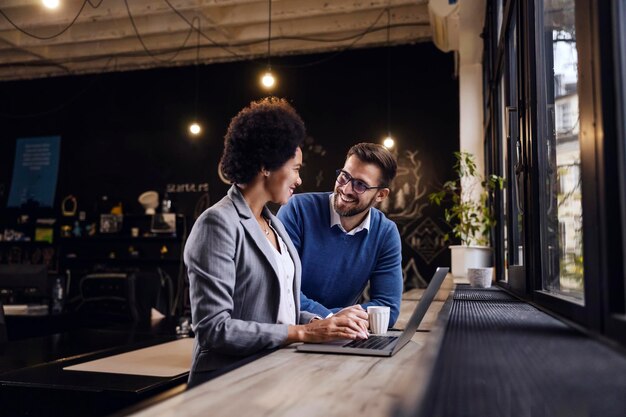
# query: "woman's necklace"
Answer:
x=265 y=229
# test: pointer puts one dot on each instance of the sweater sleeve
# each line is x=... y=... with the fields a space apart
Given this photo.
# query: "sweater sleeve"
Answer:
x=386 y=281
x=306 y=304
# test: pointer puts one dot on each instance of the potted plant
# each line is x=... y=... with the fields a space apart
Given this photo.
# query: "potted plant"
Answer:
x=468 y=213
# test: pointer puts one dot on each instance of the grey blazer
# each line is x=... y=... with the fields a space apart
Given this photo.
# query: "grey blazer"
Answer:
x=233 y=284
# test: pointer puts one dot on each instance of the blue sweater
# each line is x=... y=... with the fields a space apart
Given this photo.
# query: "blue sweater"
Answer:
x=336 y=266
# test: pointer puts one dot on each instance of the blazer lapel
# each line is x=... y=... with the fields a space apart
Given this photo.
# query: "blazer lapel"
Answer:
x=252 y=227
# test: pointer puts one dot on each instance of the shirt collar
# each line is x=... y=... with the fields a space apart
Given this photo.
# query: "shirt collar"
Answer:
x=336 y=221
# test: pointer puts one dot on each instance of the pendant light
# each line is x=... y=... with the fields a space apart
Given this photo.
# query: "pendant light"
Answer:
x=267 y=80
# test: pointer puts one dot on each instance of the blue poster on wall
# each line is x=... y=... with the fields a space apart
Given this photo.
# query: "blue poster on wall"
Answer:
x=35 y=171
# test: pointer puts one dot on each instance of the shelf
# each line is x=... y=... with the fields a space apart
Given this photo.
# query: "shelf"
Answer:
x=113 y=260
x=117 y=238
x=24 y=242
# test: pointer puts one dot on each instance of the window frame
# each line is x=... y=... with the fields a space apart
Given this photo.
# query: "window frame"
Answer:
x=600 y=118
x=615 y=287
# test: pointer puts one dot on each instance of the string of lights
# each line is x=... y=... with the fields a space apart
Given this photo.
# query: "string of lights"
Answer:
x=182 y=16
x=145 y=47
x=164 y=51
x=56 y=35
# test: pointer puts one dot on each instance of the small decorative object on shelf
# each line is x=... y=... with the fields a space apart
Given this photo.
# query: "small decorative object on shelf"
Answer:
x=111 y=223
x=91 y=229
x=77 y=231
x=44 y=234
x=69 y=206
x=133 y=252
x=118 y=209
x=150 y=201
x=166 y=204
x=66 y=230
x=57 y=297
x=163 y=223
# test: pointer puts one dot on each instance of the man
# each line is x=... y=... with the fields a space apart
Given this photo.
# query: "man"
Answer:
x=343 y=241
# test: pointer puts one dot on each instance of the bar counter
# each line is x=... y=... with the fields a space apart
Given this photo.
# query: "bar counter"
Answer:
x=290 y=383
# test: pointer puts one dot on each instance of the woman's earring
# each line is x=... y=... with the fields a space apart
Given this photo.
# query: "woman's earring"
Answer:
x=266 y=173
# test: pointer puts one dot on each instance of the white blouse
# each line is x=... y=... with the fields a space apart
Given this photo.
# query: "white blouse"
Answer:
x=286 y=269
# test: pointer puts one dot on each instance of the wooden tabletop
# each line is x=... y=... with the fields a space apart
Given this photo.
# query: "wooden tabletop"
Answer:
x=290 y=383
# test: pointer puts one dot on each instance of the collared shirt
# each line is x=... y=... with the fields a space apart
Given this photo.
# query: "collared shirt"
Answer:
x=286 y=272
x=336 y=220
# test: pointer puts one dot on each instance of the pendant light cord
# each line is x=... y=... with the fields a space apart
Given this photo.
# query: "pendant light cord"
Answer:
x=197 y=72
x=269 y=35
x=388 y=73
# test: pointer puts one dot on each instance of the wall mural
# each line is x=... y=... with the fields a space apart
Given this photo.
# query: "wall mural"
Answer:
x=405 y=206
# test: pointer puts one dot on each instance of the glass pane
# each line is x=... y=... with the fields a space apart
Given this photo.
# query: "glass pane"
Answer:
x=563 y=199
x=499 y=12
x=503 y=171
x=620 y=36
x=510 y=151
x=514 y=149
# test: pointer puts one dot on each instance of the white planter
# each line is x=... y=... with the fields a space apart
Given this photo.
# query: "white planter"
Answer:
x=464 y=257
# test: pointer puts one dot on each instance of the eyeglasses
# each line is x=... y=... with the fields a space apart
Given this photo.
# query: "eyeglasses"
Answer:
x=358 y=186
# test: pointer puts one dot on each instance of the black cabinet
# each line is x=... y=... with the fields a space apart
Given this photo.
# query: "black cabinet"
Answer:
x=138 y=247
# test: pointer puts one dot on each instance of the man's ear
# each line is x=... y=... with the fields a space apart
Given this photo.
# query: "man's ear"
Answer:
x=382 y=194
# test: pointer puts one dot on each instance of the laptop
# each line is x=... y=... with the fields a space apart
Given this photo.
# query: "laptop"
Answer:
x=390 y=343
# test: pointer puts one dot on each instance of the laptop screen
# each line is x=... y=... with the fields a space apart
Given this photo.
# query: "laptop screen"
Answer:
x=422 y=307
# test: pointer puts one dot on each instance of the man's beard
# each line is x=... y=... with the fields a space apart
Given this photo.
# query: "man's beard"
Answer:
x=353 y=211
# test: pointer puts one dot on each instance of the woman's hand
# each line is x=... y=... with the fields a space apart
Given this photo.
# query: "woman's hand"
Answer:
x=357 y=313
x=333 y=328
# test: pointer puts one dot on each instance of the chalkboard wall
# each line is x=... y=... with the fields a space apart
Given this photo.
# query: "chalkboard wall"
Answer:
x=125 y=133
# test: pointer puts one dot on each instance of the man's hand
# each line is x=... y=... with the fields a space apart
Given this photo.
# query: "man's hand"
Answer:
x=356 y=313
x=333 y=328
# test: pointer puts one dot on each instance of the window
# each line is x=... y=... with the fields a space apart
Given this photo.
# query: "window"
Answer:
x=557 y=131
x=559 y=151
x=507 y=149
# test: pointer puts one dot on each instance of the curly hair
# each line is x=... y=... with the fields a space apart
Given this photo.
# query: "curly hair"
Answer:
x=264 y=135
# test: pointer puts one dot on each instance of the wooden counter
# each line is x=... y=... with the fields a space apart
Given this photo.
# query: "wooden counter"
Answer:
x=290 y=383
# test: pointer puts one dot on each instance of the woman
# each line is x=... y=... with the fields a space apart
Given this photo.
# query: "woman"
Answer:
x=244 y=273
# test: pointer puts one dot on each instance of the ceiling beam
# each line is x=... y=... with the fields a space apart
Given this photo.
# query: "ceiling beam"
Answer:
x=405 y=35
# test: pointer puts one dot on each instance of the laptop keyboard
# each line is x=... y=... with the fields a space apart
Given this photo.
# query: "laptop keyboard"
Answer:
x=374 y=342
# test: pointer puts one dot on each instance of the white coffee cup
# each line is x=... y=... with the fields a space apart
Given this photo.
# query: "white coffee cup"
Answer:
x=480 y=277
x=378 y=318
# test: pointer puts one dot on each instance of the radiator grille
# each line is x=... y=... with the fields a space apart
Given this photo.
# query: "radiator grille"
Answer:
x=503 y=357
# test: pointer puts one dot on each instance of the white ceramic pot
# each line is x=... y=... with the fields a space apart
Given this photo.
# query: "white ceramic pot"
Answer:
x=464 y=257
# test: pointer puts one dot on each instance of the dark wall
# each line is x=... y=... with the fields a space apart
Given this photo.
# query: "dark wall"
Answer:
x=124 y=133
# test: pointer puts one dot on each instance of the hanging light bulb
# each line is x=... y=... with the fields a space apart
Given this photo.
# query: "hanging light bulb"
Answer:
x=195 y=129
x=268 y=79
x=50 y=4
x=388 y=142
